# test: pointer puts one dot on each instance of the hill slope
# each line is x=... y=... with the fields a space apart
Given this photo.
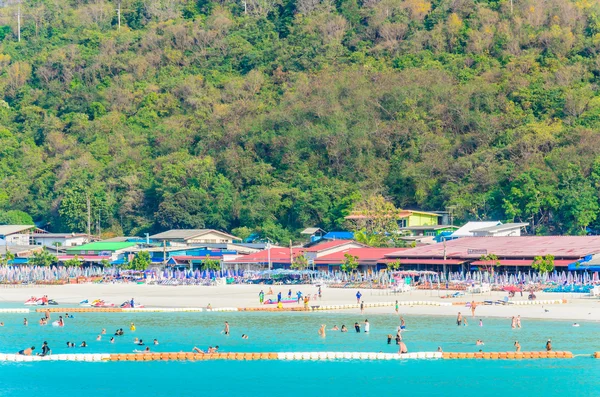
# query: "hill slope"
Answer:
x=277 y=114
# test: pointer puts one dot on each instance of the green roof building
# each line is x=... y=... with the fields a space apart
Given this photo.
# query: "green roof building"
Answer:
x=99 y=248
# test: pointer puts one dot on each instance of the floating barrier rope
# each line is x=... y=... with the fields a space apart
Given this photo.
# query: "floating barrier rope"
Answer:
x=305 y=356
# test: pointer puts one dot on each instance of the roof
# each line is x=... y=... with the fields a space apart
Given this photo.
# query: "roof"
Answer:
x=523 y=247
x=467 y=229
x=328 y=244
x=5 y=230
x=401 y=214
x=366 y=254
x=121 y=239
x=101 y=246
x=187 y=234
x=524 y=262
x=429 y=227
x=277 y=255
x=312 y=230
x=339 y=236
x=19 y=249
x=58 y=235
x=501 y=227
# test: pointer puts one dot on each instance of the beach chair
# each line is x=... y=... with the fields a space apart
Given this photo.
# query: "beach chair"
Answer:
x=503 y=301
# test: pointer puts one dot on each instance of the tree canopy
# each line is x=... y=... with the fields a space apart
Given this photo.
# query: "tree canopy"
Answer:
x=273 y=116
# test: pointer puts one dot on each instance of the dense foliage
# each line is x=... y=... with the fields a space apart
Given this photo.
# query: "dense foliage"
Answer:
x=274 y=115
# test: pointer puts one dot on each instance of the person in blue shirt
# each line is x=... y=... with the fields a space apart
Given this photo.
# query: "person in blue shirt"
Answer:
x=299 y=295
x=279 y=297
x=358 y=296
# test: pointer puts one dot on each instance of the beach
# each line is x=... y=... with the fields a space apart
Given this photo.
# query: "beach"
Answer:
x=578 y=306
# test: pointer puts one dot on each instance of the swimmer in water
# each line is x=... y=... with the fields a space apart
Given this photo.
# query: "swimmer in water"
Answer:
x=440 y=349
x=83 y=344
x=519 y=321
x=479 y=342
x=196 y=350
x=25 y=322
x=402 y=349
x=322 y=330
x=513 y=323
x=244 y=336
x=61 y=322
x=135 y=340
x=103 y=331
x=517 y=346
x=402 y=323
x=575 y=325
x=459 y=319
x=112 y=339
x=132 y=327
x=335 y=328
x=344 y=329
x=26 y=352
x=99 y=338
x=389 y=339
x=1 y=324
x=480 y=323
x=226 y=329
x=156 y=341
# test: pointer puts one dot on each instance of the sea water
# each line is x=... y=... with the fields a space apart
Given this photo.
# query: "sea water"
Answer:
x=281 y=332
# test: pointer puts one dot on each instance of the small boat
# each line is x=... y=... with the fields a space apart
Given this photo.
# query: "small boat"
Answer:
x=52 y=302
x=31 y=301
x=101 y=303
x=84 y=302
x=127 y=305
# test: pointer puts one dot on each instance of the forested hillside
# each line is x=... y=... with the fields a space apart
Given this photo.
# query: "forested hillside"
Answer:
x=274 y=115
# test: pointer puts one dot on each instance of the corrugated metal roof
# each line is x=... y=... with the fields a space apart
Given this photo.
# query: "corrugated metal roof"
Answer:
x=312 y=230
x=467 y=229
x=508 y=247
x=12 y=229
x=186 y=234
x=19 y=249
x=498 y=228
x=328 y=244
x=524 y=262
x=364 y=254
x=101 y=246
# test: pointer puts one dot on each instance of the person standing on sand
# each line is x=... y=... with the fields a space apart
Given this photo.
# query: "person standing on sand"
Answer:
x=473 y=306
x=459 y=319
x=290 y=294
x=226 y=329
x=358 y=296
x=279 y=297
x=320 y=295
x=306 y=303
x=261 y=296
x=396 y=307
x=362 y=307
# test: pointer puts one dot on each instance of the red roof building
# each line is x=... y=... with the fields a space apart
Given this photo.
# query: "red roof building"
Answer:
x=511 y=251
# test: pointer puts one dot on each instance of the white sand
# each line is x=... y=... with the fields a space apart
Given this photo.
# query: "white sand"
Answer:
x=578 y=307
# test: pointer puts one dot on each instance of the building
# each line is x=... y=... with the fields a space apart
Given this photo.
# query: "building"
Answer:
x=514 y=253
x=315 y=233
x=18 y=234
x=53 y=240
x=407 y=218
x=21 y=252
x=502 y=230
x=194 y=236
x=368 y=258
x=466 y=230
x=98 y=251
x=283 y=257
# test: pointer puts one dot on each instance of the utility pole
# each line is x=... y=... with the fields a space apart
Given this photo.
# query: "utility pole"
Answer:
x=19 y=22
x=511 y=7
x=89 y=215
x=119 y=16
x=99 y=226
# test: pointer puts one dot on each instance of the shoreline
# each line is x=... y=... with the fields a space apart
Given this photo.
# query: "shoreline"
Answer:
x=246 y=296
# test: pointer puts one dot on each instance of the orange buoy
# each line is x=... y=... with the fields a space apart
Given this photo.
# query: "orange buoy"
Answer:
x=140 y=356
x=503 y=355
x=510 y=355
x=114 y=357
x=461 y=355
x=445 y=355
x=551 y=354
x=494 y=355
x=181 y=356
x=273 y=356
x=535 y=354
x=478 y=355
x=597 y=355
x=568 y=355
x=518 y=355
x=487 y=355
x=173 y=356
x=164 y=356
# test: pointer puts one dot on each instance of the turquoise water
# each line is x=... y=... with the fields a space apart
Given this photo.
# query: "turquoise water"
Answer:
x=273 y=332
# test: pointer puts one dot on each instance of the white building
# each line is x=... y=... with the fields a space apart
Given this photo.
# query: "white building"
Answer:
x=52 y=240
x=194 y=236
x=17 y=234
x=503 y=230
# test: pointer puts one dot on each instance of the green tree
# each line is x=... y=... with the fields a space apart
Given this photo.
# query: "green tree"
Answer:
x=73 y=262
x=372 y=240
x=211 y=264
x=299 y=262
x=15 y=217
x=395 y=265
x=42 y=258
x=104 y=263
x=350 y=263
x=490 y=262
x=543 y=264
x=140 y=261
x=7 y=258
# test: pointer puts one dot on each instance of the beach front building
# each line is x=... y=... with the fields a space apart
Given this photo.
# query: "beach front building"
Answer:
x=95 y=253
x=368 y=258
x=21 y=253
x=193 y=237
x=283 y=257
x=55 y=240
x=18 y=234
x=514 y=253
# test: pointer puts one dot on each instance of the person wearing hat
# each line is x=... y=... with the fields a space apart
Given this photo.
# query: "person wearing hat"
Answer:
x=549 y=346
x=45 y=350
